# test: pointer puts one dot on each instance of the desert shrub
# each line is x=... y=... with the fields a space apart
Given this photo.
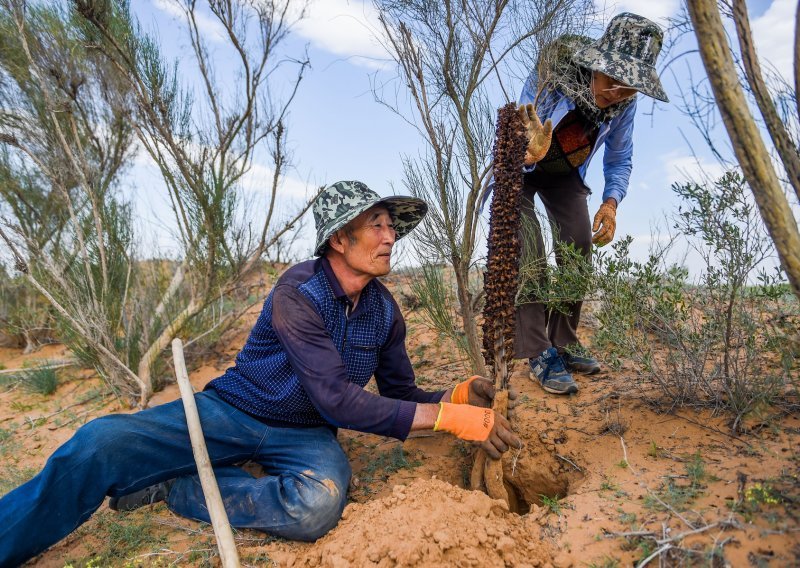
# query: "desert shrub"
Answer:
x=435 y=298
x=40 y=379
x=727 y=339
x=557 y=285
x=26 y=318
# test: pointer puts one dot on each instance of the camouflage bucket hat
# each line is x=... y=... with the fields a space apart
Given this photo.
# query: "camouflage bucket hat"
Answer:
x=627 y=52
x=340 y=203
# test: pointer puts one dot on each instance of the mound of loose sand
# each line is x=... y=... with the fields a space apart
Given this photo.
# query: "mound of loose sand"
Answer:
x=427 y=523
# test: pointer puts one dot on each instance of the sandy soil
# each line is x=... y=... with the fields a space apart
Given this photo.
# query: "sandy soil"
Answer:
x=604 y=480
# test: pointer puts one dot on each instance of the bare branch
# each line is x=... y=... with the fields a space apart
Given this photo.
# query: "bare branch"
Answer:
x=777 y=130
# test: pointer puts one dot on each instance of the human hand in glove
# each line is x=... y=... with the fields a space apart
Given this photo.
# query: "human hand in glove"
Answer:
x=482 y=425
x=605 y=222
x=477 y=391
x=539 y=135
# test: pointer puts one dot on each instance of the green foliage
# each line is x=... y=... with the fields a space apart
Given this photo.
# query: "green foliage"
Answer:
x=40 y=379
x=605 y=562
x=678 y=494
x=759 y=497
x=435 y=298
x=762 y=494
x=608 y=485
x=558 y=285
x=714 y=342
x=551 y=503
x=124 y=536
x=26 y=319
x=379 y=467
x=12 y=477
x=66 y=141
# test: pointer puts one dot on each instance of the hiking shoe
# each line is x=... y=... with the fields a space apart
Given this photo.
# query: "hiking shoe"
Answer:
x=551 y=372
x=584 y=364
x=146 y=496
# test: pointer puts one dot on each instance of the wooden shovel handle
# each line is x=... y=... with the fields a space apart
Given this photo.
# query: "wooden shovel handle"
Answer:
x=216 y=509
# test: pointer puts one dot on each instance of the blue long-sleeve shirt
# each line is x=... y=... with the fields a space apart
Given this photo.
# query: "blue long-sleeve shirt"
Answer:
x=308 y=358
x=616 y=134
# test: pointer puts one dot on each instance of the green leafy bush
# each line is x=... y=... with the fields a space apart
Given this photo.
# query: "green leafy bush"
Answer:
x=720 y=340
x=26 y=318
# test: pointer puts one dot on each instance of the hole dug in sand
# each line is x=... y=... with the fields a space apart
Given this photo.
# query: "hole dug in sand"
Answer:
x=535 y=472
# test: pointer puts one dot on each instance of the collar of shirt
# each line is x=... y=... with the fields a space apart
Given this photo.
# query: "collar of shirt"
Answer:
x=338 y=292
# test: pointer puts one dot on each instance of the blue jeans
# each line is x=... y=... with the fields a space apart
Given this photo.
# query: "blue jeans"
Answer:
x=301 y=498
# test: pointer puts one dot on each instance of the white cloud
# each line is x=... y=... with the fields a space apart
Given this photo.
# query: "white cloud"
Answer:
x=258 y=181
x=773 y=35
x=208 y=26
x=682 y=167
x=658 y=11
x=344 y=27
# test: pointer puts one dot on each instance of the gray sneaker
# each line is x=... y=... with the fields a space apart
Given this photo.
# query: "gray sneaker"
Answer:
x=584 y=364
x=551 y=372
x=146 y=496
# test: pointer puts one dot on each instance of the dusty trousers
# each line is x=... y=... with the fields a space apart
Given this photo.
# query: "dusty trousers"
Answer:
x=301 y=497
x=565 y=199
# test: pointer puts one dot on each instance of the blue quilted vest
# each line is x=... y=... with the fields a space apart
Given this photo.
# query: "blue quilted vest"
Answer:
x=263 y=383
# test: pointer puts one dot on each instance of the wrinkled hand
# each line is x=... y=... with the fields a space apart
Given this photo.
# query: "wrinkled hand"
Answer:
x=500 y=439
x=605 y=223
x=539 y=136
x=481 y=393
x=478 y=391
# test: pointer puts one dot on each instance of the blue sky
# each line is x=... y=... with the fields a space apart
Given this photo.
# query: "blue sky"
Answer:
x=337 y=130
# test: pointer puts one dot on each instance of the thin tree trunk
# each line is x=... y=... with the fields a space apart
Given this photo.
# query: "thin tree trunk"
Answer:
x=775 y=126
x=163 y=341
x=177 y=279
x=468 y=320
x=797 y=59
x=749 y=148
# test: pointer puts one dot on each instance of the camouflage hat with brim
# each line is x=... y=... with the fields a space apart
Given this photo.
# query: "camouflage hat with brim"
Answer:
x=627 y=52
x=343 y=201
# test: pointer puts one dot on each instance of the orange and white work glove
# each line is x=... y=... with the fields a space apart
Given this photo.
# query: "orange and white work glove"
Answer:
x=539 y=135
x=605 y=222
x=482 y=425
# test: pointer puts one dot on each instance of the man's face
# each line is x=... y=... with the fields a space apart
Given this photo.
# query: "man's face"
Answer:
x=608 y=91
x=368 y=247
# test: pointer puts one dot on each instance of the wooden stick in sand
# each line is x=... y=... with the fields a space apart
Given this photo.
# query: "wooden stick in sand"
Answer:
x=216 y=509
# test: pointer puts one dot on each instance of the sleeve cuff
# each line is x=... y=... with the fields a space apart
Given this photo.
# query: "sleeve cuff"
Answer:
x=403 y=420
x=615 y=193
x=436 y=397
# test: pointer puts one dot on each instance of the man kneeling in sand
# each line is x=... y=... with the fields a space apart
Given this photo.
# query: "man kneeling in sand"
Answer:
x=325 y=329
